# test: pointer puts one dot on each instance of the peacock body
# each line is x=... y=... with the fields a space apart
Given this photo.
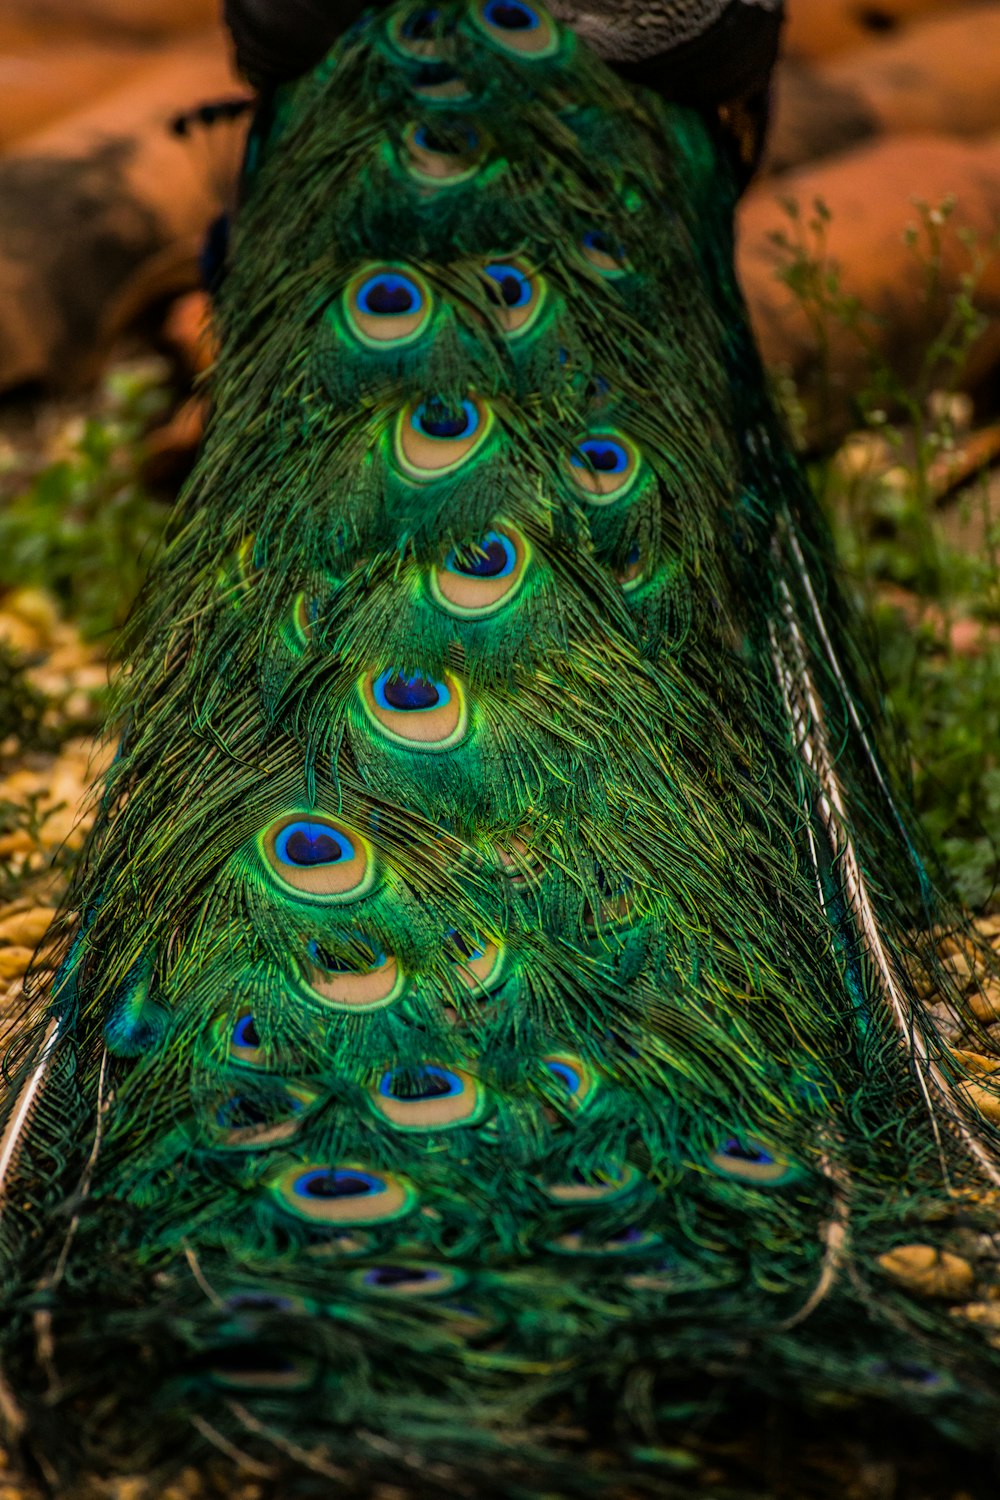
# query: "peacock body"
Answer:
x=490 y=1012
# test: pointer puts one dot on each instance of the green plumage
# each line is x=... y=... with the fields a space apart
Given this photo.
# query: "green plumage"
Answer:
x=489 y=1015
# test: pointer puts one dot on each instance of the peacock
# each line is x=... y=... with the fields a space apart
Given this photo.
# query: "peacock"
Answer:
x=499 y=1046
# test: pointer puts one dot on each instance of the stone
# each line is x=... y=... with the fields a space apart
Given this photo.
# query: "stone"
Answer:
x=928 y=1272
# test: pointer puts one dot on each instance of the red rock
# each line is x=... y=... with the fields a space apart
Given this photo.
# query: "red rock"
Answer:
x=941 y=74
x=818 y=28
x=187 y=330
x=869 y=193
x=138 y=20
x=99 y=204
x=38 y=84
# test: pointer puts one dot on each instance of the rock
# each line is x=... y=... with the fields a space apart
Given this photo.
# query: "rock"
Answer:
x=984 y=1002
x=99 y=212
x=940 y=75
x=869 y=194
x=928 y=1272
x=14 y=961
x=140 y=20
x=41 y=83
x=818 y=28
x=26 y=927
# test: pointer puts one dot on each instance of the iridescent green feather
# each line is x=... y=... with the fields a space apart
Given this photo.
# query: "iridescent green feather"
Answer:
x=480 y=1007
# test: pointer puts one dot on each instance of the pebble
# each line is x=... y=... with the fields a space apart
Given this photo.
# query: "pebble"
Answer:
x=928 y=1272
x=26 y=927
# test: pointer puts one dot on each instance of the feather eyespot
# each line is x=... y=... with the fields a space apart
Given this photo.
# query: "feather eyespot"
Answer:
x=631 y=575
x=368 y=982
x=251 y=1123
x=442 y=154
x=420 y=32
x=516 y=295
x=595 y=1187
x=244 y=1042
x=748 y=1161
x=606 y=255
x=629 y=1241
x=604 y=466
x=574 y=1081
x=907 y=1373
x=254 y=1366
x=474 y=582
x=517 y=27
x=434 y=439
x=477 y=963
x=429 y=1098
x=341 y=1194
x=316 y=858
x=437 y=80
x=387 y=306
x=396 y=1280
x=422 y=713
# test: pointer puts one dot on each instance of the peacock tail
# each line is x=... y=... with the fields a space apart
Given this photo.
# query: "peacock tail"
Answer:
x=493 y=1028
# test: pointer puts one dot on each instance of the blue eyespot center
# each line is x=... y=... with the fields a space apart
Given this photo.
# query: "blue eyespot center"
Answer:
x=436 y=420
x=738 y=1150
x=258 y=1302
x=466 y=948
x=509 y=286
x=494 y=557
x=388 y=1276
x=423 y=24
x=245 y=1033
x=602 y=454
x=446 y=139
x=401 y=694
x=510 y=15
x=429 y=1082
x=306 y=844
x=389 y=295
x=338 y=1182
x=566 y=1075
x=602 y=244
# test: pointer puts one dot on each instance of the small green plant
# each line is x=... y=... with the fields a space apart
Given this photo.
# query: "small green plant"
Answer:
x=881 y=494
x=83 y=526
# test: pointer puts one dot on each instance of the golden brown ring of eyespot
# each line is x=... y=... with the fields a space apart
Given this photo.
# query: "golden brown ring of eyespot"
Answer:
x=464 y=1105
x=537 y=37
x=472 y=598
x=370 y=990
x=422 y=457
x=258 y=1137
x=603 y=486
x=427 y=48
x=298 y=1376
x=769 y=1173
x=438 y=728
x=592 y=1192
x=348 y=875
x=379 y=330
x=514 y=318
x=482 y=972
x=570 y=1069
x=436 y=168
x=229 y=1027
x=445 y=1280
x=344 y=1193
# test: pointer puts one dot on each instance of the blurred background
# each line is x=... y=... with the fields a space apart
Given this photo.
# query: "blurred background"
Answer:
x=869 y=253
